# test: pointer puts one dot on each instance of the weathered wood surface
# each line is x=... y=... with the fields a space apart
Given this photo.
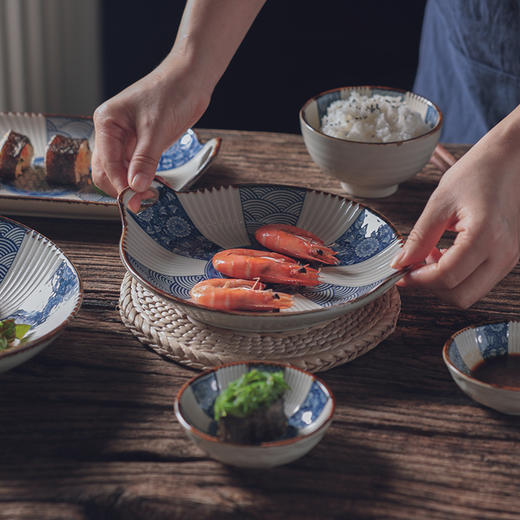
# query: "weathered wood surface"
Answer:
x=87 y=429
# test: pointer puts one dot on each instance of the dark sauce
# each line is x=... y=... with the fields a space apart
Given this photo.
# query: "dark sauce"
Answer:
x=500 y=370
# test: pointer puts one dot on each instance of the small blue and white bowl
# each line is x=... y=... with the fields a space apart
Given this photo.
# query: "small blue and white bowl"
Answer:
x=309 y=407
x=369 y=169
x=39 y=287
x=168 y=247
x=469 y=347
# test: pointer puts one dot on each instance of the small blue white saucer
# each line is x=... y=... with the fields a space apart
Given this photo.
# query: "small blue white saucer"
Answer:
x=471 y=346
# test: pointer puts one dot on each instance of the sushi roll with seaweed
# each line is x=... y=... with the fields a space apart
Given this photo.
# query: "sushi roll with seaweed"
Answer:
x=16 y=153
x=251 y=409
x=67 y=160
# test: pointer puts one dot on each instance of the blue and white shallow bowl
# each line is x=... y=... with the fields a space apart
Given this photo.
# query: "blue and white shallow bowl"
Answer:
x=168 y=247
x=39 y=287
x=308 y=405
x=471 y=346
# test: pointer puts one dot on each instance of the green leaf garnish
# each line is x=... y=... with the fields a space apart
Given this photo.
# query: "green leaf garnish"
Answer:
x=21 y=330
x=11 y=334
x=250 y=392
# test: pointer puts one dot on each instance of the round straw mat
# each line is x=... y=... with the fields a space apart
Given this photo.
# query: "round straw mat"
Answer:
x=164 y=327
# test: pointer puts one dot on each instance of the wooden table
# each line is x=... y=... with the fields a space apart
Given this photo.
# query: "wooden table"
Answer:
x=87 y=429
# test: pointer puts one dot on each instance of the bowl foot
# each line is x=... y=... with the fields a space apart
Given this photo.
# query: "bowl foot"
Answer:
x=369 y=192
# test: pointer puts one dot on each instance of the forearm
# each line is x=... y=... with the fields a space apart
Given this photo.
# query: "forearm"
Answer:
x=209 y=34
x=503 y=141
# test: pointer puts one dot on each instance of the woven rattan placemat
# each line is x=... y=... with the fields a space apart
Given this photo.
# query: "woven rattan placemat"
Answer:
x=164 y=327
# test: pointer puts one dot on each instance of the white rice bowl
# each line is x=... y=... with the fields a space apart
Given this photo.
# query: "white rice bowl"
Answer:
x=377 y=147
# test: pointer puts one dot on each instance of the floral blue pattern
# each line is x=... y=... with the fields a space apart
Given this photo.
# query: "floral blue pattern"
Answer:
x=11 y=238
x=180 y=152
x=492 y=339
x=168 y=224
x=367 y=236
x=178 y=286
x=311 y=408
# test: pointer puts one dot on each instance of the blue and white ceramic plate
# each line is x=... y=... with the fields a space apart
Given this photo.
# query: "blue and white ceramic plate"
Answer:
x=181 y=165
x=308 y=404
x=169 y=246
x=469 y=347
x=39 y=287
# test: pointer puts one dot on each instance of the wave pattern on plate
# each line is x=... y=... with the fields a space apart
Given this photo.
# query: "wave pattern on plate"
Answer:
x=326 y=295
x=178 y=286
x=270 y=205
x=11 y=238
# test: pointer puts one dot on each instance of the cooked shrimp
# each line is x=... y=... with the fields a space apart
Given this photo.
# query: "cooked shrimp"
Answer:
x=226 y=294
x=297 y=242
x=265 y=266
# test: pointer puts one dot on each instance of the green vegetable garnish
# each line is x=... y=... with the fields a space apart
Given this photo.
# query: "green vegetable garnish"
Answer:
x=11 y=333
x=250 y=392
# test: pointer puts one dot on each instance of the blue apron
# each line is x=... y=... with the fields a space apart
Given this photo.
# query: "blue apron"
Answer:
x=469 y=64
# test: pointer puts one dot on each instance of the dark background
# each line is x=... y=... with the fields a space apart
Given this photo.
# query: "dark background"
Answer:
x=294 y=50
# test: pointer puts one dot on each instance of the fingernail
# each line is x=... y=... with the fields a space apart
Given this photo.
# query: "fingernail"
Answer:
x=139 y=182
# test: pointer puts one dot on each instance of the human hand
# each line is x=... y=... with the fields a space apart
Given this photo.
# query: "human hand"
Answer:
x=133 y=128
x=477 y=198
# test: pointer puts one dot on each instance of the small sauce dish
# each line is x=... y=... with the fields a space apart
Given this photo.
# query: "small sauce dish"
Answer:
x=484 y=361
x=308 y=406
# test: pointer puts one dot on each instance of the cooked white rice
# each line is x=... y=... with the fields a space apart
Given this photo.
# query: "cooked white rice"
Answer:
x=372 y=119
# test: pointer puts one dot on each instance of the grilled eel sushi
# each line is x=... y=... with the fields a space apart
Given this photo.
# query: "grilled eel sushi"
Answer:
x=16 y=153
x=67 y=160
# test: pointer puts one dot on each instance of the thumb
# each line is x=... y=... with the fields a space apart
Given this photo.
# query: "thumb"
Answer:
x=143 y=164
x=424 y=236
